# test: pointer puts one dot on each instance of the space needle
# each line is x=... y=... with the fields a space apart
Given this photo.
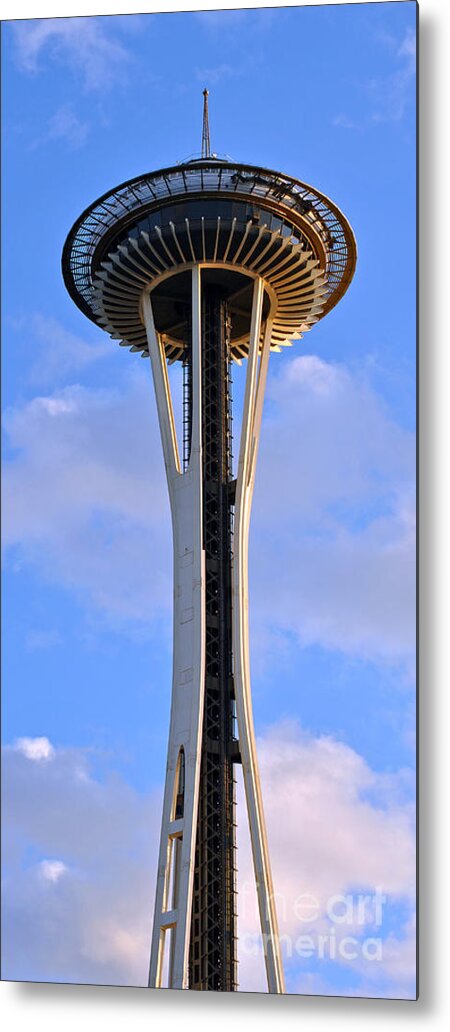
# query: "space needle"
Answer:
x=207 y=263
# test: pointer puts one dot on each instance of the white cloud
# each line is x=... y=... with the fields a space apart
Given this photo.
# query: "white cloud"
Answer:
x=344 y=122
x=335 y=826
x=83 y=911
x=407 y=47
x=88 y=501
x=35 y=748
x=321 y=795
x=86 y=45
x=219 y=21
x=329 y=440
x=223 y=21
x=213 y=75
x=396 y=976
x=52 y=870
x=332 y=540
x=66 y=126
x=392 y=94
x=389 y=94
x=54 y=353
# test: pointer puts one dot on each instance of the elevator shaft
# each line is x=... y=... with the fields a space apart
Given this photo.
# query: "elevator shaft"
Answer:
x=212 y=953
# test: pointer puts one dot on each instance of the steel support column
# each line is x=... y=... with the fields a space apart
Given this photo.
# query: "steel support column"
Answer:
x=213 y=928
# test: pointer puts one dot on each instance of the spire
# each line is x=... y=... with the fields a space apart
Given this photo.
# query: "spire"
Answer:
x=206 y=143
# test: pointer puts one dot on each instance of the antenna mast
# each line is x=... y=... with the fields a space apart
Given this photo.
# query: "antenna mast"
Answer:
x=206 y=143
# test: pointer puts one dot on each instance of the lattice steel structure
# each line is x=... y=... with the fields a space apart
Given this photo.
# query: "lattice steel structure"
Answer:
x=206 y=263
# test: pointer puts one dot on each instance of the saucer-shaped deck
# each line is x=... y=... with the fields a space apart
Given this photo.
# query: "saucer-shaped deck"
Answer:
x=238 y=222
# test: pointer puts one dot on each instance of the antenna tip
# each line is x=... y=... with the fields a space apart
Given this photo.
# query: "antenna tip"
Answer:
x=206 y=145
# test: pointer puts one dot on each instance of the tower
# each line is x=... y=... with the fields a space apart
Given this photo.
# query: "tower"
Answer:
x=207 y=263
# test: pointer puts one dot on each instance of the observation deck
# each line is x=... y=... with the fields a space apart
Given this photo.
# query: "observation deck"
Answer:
x=239 y=222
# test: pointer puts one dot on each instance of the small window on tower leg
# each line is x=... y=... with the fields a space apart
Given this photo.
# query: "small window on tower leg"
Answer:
x=178 y=800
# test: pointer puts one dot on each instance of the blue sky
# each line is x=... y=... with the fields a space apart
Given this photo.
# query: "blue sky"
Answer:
x=325 y=94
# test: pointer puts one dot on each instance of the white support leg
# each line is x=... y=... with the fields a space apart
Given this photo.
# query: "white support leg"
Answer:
x=173 y=902
x=251 y=424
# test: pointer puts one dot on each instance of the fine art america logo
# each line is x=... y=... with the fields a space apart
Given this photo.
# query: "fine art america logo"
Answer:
x=335 y=926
